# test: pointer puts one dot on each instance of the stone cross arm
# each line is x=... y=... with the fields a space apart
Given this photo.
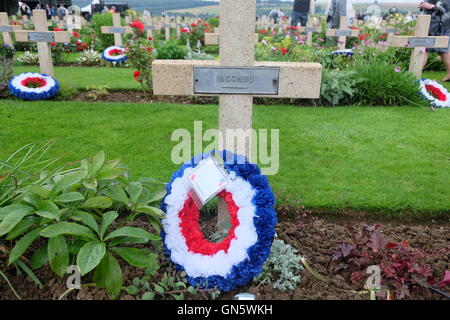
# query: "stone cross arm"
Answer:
x=425 y=42
x=115 y=30
x=296 y=79
x=342 y=33
x=42 y=36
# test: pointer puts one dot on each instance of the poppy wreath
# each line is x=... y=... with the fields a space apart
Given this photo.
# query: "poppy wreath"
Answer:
x=239 y=258
x=33 y=86
x=434 y=92
x=347 y=52
x=114 y=54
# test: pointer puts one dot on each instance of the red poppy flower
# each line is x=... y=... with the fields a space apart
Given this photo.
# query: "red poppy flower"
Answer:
x=284 y=51
x=435 y=92
x=138 y=25
x=263 y=31
x=34 y=82
x=137 y=76
x=58 y=29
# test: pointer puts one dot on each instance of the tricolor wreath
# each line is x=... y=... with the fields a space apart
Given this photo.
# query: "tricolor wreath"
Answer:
x=239 y=258
x=347 y=52
x=114 y=54
x=434 y=92
x=33 y=86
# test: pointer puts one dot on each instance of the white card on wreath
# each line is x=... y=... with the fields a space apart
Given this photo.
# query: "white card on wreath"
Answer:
x=207 y=179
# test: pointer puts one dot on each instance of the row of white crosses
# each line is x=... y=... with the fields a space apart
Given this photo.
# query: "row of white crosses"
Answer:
x=236 y=78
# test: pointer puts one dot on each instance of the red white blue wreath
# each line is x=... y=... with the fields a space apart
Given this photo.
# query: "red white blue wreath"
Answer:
x=33 y=86
x=114 y=54
x=346 y=52
x=235 y=261
x=434 y=92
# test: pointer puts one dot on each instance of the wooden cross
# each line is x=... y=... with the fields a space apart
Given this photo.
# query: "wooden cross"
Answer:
x=6 y=29
x=311 y=27
x=236 y=79
x=420 y=41
x=116 y=29
x=43 y=38
x=343 y=32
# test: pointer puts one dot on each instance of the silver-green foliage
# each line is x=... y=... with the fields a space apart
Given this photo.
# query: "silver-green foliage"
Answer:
x=198 y=53
x=338 y=86
x=29 y=58
x=89 y=57
x=282 y=268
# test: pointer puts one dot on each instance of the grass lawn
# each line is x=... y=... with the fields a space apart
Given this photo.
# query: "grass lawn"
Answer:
x=383 y=160
x=81 y=77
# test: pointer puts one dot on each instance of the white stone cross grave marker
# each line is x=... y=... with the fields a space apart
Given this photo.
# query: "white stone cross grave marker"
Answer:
x=116 y=29
x=43 y=38
x=343 y=32
x=167 y=26
x=236 y=79
x=420 y=41
x=6 y=29
x=150 y=26
x=312 y=26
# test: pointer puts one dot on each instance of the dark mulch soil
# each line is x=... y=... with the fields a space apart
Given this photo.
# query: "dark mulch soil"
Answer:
x=134 y=96
x=314 y=238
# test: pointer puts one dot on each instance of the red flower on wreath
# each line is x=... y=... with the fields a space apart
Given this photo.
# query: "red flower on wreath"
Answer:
x=137 y=76
x=34 y=82
x=115 y=52
x=435 y=92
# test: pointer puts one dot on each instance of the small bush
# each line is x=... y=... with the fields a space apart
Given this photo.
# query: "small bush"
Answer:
x=29 y=58
x=282 y=267
x=171 y=50
x=98 y=21
x=338 y=87
x=384 y=84
x=89 y=57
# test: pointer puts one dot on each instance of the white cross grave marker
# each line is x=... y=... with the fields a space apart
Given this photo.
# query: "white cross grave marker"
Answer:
x=6 y=29
x=43 y=37
x=236 y=79
x=313 y=26
x=420 y=41
x=149 y=26
x=343 y=32
x=116 y=29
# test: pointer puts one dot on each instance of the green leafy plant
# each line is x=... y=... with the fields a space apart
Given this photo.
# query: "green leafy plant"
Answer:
x=338 y=86
x=384 y=84
x=96 y=92
x=198 y=53
x=171 y=50
x=282 y=267
x=67 y=208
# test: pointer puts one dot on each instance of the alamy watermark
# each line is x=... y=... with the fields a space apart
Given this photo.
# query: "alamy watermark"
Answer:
x=262 y=146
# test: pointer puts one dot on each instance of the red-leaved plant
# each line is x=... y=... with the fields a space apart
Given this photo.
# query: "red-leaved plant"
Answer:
x=404 y=269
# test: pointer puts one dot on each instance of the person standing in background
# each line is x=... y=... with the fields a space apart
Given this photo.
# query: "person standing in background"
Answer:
x=300 y=12
x=336 y=10
x=439 y=26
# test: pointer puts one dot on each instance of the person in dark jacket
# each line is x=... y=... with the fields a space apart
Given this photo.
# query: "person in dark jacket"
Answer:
x=300 y=12
x=439 y=26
